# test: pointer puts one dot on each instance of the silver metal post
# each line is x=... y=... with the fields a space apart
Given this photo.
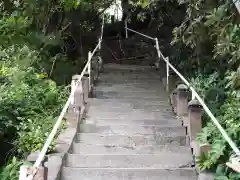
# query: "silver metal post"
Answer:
x=167 y=69
x=193 y=95
x=126 y=30
x=89 y=69
x=157 y=47
x=99 y=41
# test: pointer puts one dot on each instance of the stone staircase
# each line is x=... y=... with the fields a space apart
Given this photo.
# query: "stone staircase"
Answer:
x=129 y=131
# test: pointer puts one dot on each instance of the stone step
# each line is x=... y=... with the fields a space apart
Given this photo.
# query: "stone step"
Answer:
x=105 y=78
x=147 y=79
x=131 y=109
x=136 y=105
x=140 y=72
x=163 y=160
x=161 y=122
x=129 y=76
x=130 y=142
x=121 y=108
x=127 y=80
x=132 y=130
x=148 y=88
x=133 y=83
x=116 y=95
x=138 y=101
x=126 y=68
x=130 y=91
x=82 y=148
x=134 y=99
x=123 y=111
x=127 y=102
x=121 y=90
x=69 y=173
x=155 y=86
x=95 y=115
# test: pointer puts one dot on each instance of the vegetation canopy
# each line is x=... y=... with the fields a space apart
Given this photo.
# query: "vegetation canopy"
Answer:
x=44 y=42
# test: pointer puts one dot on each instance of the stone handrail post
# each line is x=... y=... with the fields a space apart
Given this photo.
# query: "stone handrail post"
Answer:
x=182 y=100
x=194 y=123
x=195 y=112
x=85 y=85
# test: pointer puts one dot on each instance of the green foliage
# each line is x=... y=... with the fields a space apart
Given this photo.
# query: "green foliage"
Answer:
x=11 y=171
x=32 y=50
x=29 y=102
x=209 y=38
x=225 y=104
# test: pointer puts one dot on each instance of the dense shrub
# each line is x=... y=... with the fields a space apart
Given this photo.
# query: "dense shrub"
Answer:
x=205 y=48
x=40 y=43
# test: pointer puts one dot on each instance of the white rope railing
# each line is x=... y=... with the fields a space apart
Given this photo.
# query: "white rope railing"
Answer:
x=193 y=91
x=87 y=68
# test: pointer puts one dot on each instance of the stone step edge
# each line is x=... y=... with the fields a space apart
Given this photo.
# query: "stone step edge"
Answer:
x=172 y=136
x=143 y=168
x=129 y=125
x=133 y=154
x=77 y=144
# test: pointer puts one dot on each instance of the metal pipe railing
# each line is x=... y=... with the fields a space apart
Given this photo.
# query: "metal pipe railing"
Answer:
x=126 y=29
x=237 y=4
x=207 y=110
x=61 y=116
x=144 y=35
x=101 y=36
x=193 y=91
x=87 y=68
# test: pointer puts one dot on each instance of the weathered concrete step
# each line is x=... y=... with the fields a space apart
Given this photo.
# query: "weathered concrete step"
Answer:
x=118 y=103
x=125 y=102
x=95 y=115
x=130 y=142
x=136 y=76
x=132 y=130
x=163 y=160
x=82 y=148
x=113 y=87
x=136 y=112
x=132 y=85
x=160 y=122
x=105 y=78
x=131 y=91
x=156 y=100
x=121 y=67
x=129 y=79
x=142 y=101
x=115 y=95
x=133 y=80
x=129 y=108
x=69 y=173
x=119 y=72
x=155 y=86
